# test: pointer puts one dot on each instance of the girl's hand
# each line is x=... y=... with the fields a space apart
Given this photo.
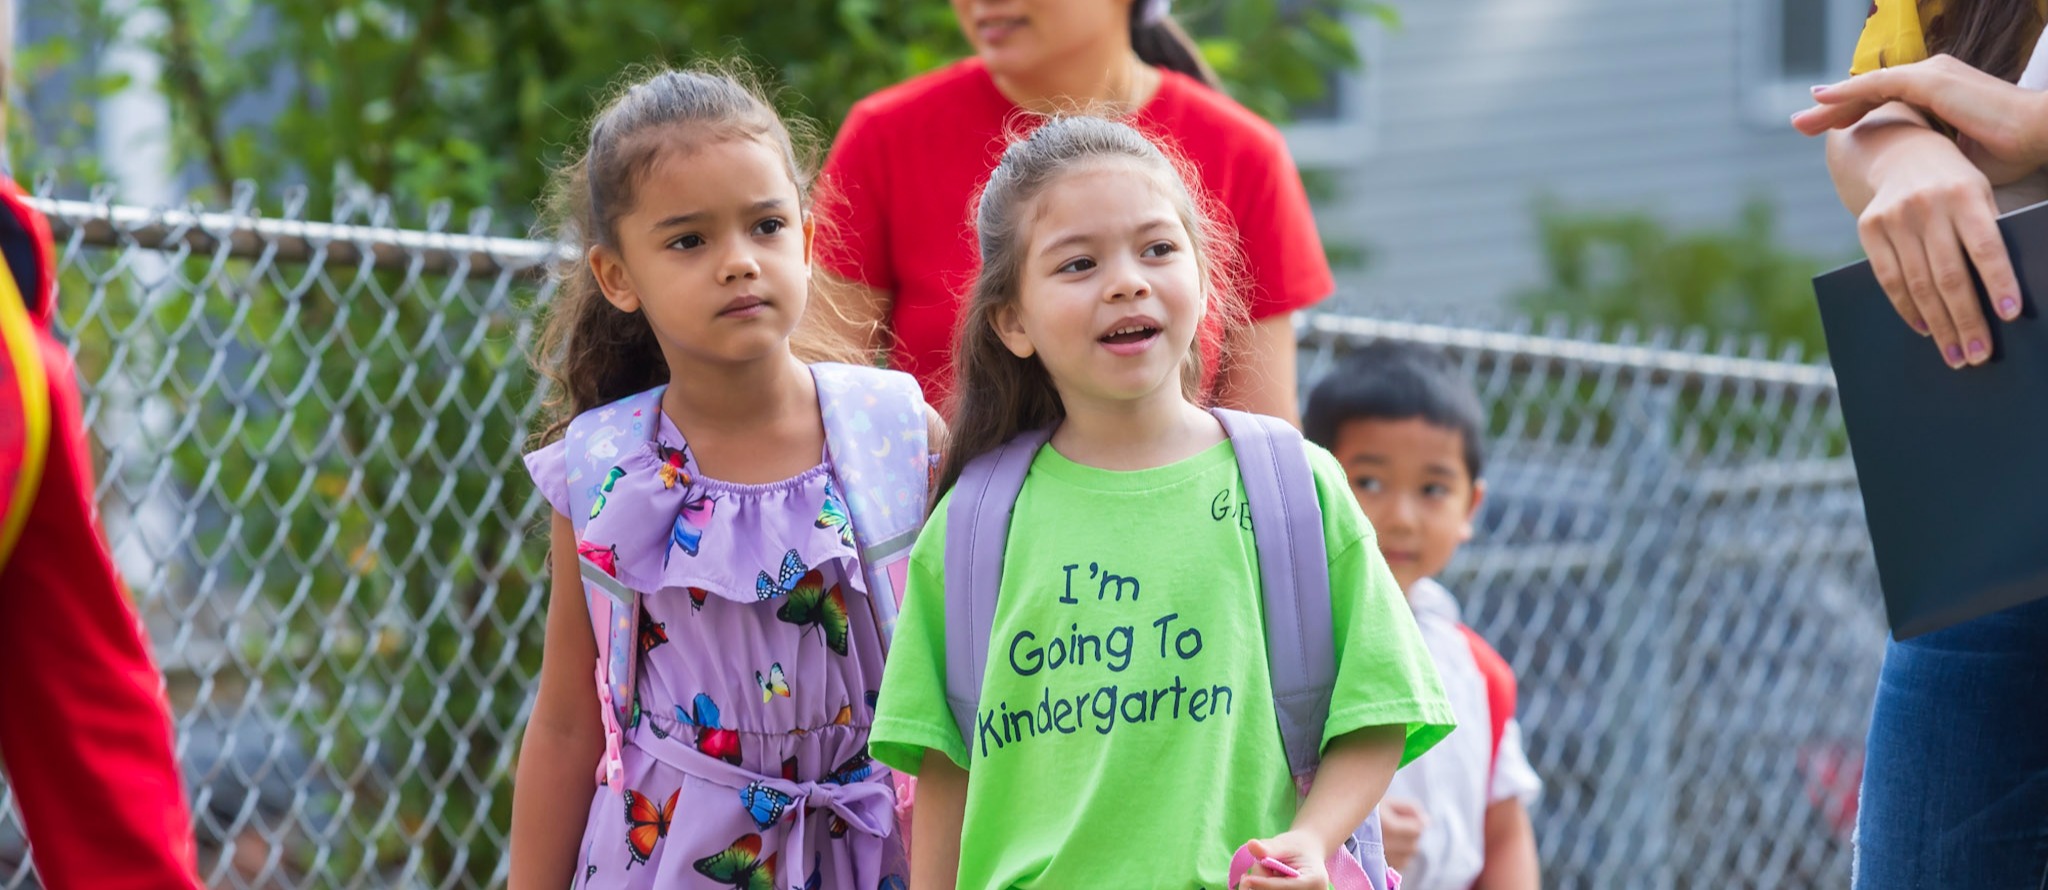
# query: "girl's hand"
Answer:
x=2003 y=127
x=1402 y=822
x=1300 y=851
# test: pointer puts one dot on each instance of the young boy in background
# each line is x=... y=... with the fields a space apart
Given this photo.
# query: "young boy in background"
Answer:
x=1406 y=426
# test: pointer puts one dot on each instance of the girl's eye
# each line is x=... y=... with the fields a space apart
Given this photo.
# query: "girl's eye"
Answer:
x=1161 y=249
x=1436 y=490
x=688 y=242
x=1367 y=484
x=770 y=226
x=1081 y=265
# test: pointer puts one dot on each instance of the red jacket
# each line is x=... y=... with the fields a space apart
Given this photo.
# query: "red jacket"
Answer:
x=85 y=731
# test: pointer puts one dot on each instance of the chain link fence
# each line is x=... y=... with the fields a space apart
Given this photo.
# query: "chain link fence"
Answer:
x=309 y=437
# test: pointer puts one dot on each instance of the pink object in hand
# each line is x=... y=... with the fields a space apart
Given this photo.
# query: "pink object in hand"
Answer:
x=1243 y=861
x=1344 y=871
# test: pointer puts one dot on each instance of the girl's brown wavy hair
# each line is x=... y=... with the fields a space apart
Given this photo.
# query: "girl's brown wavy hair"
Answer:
x=591 y=352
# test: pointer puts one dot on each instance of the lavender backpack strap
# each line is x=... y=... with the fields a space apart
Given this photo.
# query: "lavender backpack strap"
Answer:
x=977 y=530
x=614 y=608
x=1301 y=638
x=876 y=433
x=1294 y=575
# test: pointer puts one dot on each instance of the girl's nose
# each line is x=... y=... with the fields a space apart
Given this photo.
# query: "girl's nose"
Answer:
x=1127 y=284
x=738 y=263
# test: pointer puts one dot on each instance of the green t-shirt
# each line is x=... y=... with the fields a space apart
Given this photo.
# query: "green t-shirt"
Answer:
x=1126 y=736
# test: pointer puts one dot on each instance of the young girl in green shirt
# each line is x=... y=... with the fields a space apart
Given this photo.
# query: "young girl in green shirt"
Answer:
x=1126 y=733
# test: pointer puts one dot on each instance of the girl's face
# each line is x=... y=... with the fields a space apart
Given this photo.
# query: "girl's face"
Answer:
x=715 y=252
x=1110 y=293
x=1022 y=38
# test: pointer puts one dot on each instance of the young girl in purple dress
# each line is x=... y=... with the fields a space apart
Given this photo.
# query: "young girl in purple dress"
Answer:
x=699 y=487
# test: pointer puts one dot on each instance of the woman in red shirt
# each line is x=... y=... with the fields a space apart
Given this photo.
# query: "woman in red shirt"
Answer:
x=907 y=163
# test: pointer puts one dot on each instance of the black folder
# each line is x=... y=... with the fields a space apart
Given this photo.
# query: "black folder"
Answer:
x=1953 y=464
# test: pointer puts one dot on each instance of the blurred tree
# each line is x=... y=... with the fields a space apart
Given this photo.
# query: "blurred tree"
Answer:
x=471 y=102
x=1622 y=267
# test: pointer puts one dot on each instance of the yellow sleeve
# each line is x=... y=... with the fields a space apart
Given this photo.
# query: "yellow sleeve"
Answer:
x=1894 y=34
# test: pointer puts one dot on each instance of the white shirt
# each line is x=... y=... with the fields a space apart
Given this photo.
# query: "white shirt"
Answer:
x=1451 y=780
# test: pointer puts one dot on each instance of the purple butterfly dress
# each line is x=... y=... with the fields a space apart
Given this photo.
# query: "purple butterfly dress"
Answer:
x=746 y=754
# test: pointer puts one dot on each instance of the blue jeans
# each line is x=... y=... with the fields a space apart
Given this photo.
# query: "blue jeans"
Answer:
x=1955 y=781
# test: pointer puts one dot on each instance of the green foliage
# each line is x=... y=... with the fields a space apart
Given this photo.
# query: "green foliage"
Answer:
x=445 y=99
x=1631 y=267
x=1278 y=54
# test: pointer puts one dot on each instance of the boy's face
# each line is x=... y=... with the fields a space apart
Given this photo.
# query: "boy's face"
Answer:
x=1411 y=478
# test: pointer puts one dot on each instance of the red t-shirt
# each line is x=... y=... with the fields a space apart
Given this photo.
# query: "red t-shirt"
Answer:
x=900 y=184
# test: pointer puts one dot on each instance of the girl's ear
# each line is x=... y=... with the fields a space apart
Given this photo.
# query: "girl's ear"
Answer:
x=1010 y=329
x=612 y=279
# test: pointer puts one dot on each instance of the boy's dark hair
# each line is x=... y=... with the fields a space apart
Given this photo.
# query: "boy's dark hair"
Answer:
x=1389 y=380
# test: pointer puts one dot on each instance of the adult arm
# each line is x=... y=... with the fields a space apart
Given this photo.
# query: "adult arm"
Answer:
x=1924 y=215
x=1260 y=374
x=1925 y=209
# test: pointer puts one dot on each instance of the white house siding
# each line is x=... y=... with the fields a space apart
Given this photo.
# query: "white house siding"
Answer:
x=1479 y=106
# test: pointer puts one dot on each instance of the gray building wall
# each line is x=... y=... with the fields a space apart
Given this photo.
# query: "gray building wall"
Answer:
x=1470 y=109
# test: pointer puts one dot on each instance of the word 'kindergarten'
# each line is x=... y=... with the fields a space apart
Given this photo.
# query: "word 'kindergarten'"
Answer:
x=1093 y=665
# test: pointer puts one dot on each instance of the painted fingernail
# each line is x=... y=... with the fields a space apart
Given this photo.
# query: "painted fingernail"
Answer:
x=2009 y=307
x=1816 y=88
x=1977 y=348
x=1954 y=354
x=1919 y=327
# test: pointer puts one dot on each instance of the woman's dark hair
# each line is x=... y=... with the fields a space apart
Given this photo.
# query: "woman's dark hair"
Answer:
x=998 y=395
x=594 y=353
x=1992 y=36
x=1161 y=43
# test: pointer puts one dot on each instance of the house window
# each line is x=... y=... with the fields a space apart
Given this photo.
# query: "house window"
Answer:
x=1340 y=127
x=1805 y=49
x=1790 y=45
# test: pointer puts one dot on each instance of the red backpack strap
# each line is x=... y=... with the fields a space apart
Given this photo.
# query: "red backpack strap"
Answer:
x=1500 y=693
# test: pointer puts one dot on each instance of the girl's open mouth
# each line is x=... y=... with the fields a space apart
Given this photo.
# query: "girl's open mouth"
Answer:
x=1129 y=339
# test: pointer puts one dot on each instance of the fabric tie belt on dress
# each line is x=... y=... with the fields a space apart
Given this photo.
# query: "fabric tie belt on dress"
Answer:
x=867 y=806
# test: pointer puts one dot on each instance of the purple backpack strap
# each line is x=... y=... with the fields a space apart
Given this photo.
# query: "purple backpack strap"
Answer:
x=977 y=530
x=876 y=432
x=614 y=608
x=1294 y=576
x=1301 y=638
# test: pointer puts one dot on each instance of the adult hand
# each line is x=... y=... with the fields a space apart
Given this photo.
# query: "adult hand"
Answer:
x=1401 y=824
x=2003 y=127
x=1929 y=216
